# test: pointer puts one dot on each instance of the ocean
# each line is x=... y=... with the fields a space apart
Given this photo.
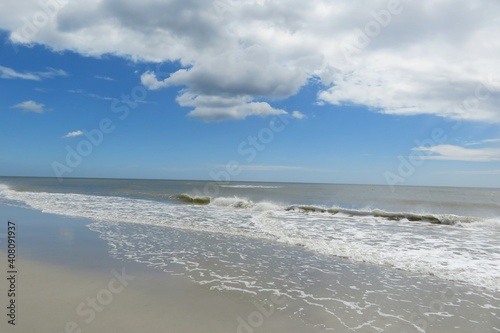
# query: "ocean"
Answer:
x=312 y=243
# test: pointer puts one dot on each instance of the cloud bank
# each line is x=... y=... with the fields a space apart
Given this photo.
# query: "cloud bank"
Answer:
x=397 y=57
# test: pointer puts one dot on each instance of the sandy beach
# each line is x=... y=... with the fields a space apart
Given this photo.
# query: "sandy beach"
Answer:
x=67 y=281
x=53 y=298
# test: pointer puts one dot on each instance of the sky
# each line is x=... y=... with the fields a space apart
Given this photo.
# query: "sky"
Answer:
x=394 y=92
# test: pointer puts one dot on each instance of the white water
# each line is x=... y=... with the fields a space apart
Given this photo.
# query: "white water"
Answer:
x=466 y=252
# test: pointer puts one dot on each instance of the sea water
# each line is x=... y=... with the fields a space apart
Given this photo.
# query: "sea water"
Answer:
x=287 y=238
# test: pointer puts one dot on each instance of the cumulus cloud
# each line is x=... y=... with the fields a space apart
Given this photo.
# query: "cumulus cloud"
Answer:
x=233 y=76
x=419 y=57
x=298 y=115
x=149 y=80
x=9 y=73
x=30 y=106
x=73 y=134
x=217 y=108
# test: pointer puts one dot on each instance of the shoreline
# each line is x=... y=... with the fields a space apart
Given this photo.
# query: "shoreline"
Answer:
x=63 y=263
x=64 y=285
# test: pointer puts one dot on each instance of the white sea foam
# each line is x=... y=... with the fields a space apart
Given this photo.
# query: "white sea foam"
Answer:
x=343 y=293
x=462 y=251
x=236 y=202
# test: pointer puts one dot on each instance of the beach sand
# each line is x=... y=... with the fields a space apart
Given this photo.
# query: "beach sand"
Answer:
x=51 y=297
x=68 y=282
x=62 y=266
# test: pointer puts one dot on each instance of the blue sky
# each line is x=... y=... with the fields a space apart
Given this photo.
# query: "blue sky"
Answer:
x=244 y=92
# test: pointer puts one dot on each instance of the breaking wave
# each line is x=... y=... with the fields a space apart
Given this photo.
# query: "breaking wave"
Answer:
x=186 y=198
x=242 y=203
x=448 y=219
x=461 y=248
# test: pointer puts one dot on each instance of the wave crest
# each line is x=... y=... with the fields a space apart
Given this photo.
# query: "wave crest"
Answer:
x=448 y=219
x=240 y=203
x=186 y=198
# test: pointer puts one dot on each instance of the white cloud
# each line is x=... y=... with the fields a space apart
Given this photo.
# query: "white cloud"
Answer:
x=217 y=108
x=9 y=73
x=477 y=172
x=105 y=78
x=434 y=57
x=457 y=153
x=225 y=80
x=73 y=134
x=236 y=112
x=258 y=168
x=482 y=142
x=298 y=115
x=92 y=95
x=30 y=106
x=270 y=167
x=50 y=73
x=149 y=80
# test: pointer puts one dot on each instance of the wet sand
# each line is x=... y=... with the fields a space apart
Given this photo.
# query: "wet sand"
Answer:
x=67 y=282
